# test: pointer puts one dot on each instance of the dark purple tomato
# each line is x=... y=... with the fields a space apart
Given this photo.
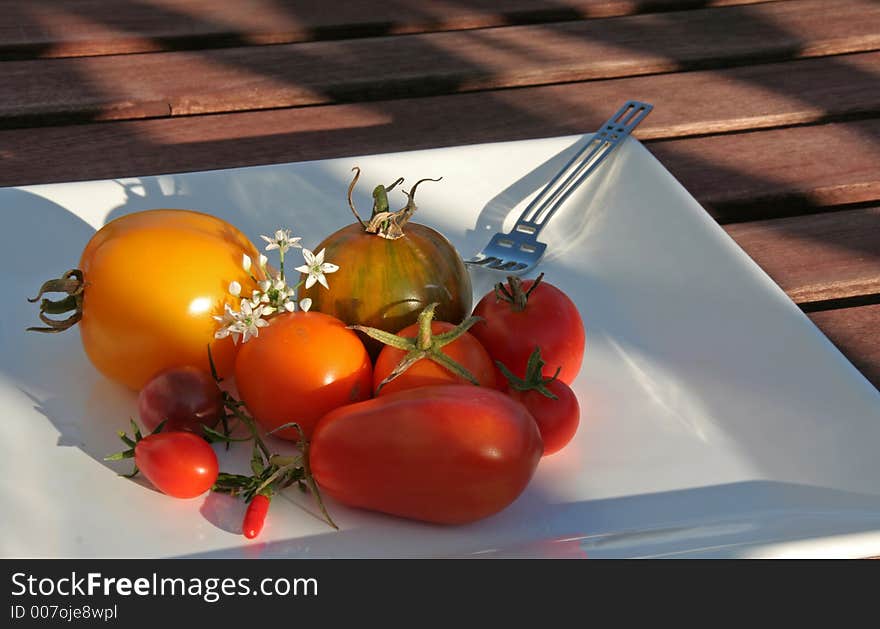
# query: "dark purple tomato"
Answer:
x=186 y=397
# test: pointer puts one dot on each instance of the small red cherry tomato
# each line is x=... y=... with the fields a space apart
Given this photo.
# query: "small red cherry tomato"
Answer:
x=557 y=419
x=179 y=464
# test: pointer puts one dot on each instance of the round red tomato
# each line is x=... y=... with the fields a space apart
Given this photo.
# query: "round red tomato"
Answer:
x=465 y=350
x=546 y=318
x=179 y=464
x=556 y=419
x=448 y=454
x=301 y=366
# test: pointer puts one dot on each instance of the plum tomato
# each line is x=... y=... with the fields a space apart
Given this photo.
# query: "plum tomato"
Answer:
x=522 y=315
x=301 y=366
x=185 y=398
x=179 y=464
x=447 y=454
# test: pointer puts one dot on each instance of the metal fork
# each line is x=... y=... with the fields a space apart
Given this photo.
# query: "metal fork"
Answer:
x=519 y=251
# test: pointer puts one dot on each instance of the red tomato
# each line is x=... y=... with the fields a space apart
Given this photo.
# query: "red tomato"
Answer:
x=465 y=350
x=186 y=398
x=179 y=464
x=448 y=454
x=557 y=419
x=548 y=319
x=303 y=365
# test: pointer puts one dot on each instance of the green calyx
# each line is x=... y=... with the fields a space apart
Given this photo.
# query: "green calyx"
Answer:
x=384 y=222
x=514 y=293
x=73 y=285
x=426 y=345
x=132 y=442
x=534 y=380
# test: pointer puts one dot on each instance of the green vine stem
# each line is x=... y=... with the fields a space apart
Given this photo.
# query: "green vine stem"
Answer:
x=426 y=345
x=271 y=472
x=534 y=379
x=73 y=285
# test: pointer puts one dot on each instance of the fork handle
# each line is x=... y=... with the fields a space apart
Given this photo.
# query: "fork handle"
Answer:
x=609 y=136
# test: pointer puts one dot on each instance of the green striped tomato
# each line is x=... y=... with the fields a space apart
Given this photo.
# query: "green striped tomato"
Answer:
x=384 y=283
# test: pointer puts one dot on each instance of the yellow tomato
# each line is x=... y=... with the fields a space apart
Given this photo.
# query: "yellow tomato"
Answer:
x=153 y=282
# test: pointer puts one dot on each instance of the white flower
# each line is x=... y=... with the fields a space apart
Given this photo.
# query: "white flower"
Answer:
x=290 y=306
x=305 y=304
x=316 y=268
x=250 y=319
x=245 y=323
x=263 y=261
x=246 y=262
x=234 y=289
x=281 y=240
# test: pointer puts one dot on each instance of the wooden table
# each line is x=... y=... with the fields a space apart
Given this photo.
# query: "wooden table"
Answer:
x=766 y=111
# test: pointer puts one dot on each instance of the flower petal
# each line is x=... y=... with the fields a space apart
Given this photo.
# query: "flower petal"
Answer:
x=246 y=262
x=305 y=304
x=310 y=281
x=234 y=288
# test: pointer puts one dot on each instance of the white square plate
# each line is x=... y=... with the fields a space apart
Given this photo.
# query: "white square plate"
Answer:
x=717 y=420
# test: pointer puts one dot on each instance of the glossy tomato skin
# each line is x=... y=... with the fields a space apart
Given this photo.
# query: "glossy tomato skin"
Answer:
x=448 y=454
x=385 y=284
x=550 y=321
x=154 y=280
x=465 y=350
x=185 y=398
x=179 y=464
x=303 y=365
x=556 y=419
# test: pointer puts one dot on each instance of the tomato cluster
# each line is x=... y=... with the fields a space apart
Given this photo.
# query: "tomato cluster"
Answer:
x=400 y=401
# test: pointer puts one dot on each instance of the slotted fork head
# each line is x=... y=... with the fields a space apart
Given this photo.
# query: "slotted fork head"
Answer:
x=519 y=250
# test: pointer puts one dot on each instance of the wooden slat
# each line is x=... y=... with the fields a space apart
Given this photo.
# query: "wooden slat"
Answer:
x=817 y=257
x=854 y=331
x=737 y=176
x=69 y=28
x=781 y=172
x=182 y=83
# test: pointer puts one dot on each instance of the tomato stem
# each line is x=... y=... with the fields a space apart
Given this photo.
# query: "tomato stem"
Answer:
x=72 y=283
x=426 y=345
x=515 y=294
x=534 y=379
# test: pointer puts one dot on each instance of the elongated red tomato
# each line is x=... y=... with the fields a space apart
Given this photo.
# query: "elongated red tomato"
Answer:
x=448 y=454
x=179 y=464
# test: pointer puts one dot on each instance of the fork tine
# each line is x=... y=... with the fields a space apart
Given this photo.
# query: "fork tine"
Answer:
x=519 y=250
